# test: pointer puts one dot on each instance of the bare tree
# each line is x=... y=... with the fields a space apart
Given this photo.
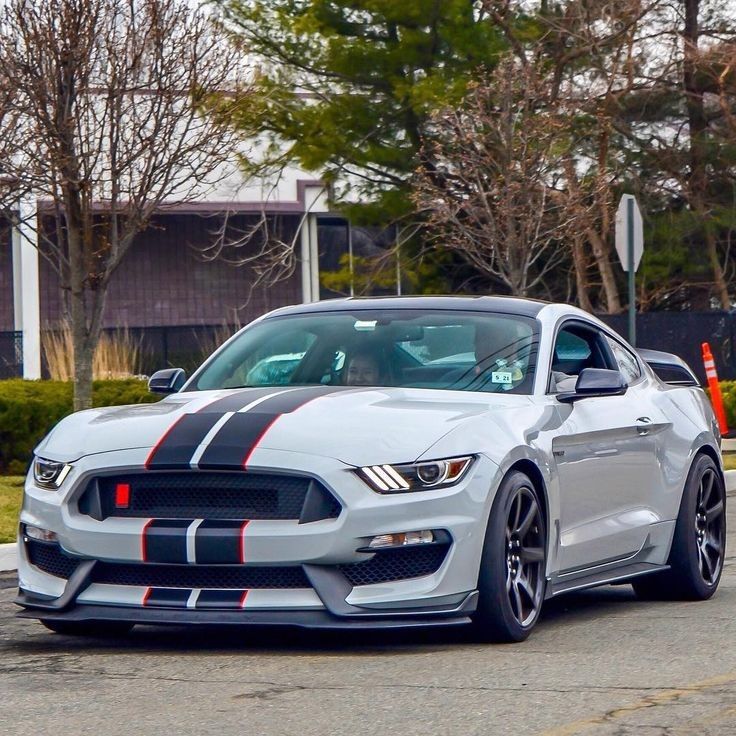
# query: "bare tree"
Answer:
x=591 y=51
x=695 y=86
x=489 y=192
x=102 y=119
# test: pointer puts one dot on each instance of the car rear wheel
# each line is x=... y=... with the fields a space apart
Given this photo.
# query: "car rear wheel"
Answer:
x=88 y=628
x=511 y=581
x=696 y=558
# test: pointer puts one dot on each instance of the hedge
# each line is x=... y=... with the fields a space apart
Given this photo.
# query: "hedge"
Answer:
x=728 y=391
x=29 y=409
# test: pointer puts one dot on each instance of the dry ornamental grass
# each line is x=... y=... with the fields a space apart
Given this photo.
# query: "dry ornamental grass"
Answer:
x=118 y=354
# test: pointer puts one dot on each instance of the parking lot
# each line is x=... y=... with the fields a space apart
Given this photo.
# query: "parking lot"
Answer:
x=599 y=662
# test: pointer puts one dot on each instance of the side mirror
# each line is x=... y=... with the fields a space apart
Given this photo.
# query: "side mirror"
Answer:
x=167 y=381
x=595 y=382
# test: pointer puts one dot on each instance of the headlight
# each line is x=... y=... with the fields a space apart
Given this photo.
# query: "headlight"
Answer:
x=49 y=474
x=416 y=476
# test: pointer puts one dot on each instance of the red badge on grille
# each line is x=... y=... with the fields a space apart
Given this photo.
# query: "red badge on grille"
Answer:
x=122 y=495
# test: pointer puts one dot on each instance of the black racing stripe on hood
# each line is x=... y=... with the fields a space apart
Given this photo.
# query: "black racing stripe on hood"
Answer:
x=176 y=447
x=232 y=445
x=292 y=400
x=240 y=399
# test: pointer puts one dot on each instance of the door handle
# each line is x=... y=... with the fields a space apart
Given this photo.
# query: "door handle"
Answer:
x=643 y=426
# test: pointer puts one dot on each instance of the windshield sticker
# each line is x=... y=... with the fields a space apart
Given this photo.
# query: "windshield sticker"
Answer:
x=503 y=377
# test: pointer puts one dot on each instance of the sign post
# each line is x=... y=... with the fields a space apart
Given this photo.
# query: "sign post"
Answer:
x=630 y=246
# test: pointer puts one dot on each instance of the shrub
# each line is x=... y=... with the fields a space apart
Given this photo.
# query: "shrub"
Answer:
x=728 y=391
x=29 y=409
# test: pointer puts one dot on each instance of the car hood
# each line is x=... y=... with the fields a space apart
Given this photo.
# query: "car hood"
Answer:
x=355 y=426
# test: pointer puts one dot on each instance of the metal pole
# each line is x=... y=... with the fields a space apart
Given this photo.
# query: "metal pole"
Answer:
x=632 y=273
x=398 y=260
x=350 y=257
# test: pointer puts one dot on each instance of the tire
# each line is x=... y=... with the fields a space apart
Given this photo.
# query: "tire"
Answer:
x=698 y=545
x=512 y=576
x=88 y=628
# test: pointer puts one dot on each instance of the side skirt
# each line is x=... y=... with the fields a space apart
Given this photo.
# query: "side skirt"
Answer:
x=607 y=577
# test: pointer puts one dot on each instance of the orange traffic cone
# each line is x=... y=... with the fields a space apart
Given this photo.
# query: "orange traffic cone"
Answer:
x=715 y=390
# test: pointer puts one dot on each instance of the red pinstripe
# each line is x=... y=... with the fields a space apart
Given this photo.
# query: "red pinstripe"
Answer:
x=241 y=541
x=154 y=449
x=265 y=431
x=257 y=442
x=144 y=555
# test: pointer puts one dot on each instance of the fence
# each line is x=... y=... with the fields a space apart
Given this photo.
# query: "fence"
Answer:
x=159 y=347
x=186 y=346
x=683 y=333
x=177 y=347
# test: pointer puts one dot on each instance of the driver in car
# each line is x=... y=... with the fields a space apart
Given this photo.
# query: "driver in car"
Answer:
x=363 y=370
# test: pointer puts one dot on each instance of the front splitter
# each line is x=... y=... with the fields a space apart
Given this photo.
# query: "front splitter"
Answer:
x=306 y=619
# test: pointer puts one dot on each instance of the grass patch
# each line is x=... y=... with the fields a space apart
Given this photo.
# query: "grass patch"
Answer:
x=11 y=492
x=729 y=460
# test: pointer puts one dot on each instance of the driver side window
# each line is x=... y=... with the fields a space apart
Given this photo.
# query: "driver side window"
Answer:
x=577 y=347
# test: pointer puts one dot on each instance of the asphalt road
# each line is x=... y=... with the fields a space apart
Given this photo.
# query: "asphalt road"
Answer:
x=600 y=662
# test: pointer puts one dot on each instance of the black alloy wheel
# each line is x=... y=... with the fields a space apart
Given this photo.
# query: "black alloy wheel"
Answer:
x=698 y=545
x=710 y=527
x=512 y=577
x=525 y=556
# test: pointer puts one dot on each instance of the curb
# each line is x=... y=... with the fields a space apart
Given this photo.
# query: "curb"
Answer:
x=9 y=552
x=8 y=557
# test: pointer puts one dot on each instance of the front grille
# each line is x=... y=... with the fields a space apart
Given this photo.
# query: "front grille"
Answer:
x=199 y=576
x=204 y=495
x=396 y=564
x=50 y=559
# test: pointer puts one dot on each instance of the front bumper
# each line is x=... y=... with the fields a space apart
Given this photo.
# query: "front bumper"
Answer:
x=324 y=551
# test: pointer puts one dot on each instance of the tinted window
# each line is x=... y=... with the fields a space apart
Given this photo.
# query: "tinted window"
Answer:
x=577 y=347
x=445 y=350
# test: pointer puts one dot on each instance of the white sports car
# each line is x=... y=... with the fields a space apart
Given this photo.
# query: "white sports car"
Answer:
x=378 y=463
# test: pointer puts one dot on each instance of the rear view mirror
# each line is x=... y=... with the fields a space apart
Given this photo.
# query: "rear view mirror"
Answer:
x=409 y=333
x=595 y=382
x=167 y=381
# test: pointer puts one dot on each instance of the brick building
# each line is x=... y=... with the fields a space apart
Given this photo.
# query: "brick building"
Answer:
x=167 y=285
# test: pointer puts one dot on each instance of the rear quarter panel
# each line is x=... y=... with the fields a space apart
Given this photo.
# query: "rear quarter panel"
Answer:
x=693 y=427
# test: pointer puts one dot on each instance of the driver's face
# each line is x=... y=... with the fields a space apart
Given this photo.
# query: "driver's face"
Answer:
x=362 y=371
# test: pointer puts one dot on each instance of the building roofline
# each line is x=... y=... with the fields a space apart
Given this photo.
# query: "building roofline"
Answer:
x=201 y=207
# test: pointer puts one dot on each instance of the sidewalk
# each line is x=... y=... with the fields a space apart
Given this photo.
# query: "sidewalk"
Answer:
x=7 y=557
x=8 y=551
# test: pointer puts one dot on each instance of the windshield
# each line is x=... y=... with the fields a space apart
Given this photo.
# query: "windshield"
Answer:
x=460 y=351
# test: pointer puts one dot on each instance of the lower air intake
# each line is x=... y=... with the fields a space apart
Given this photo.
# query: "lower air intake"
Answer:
x=391 y=565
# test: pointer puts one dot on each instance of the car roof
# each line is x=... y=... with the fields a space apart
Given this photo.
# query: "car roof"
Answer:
x=503 y=304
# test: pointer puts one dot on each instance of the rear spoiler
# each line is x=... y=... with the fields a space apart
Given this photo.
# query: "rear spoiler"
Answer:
x=670 y=368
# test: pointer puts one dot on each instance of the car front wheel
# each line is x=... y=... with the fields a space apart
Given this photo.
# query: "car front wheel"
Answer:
x=511 y=581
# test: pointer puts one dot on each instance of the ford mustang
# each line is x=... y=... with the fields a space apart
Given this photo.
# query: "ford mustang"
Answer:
x=391 y=462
